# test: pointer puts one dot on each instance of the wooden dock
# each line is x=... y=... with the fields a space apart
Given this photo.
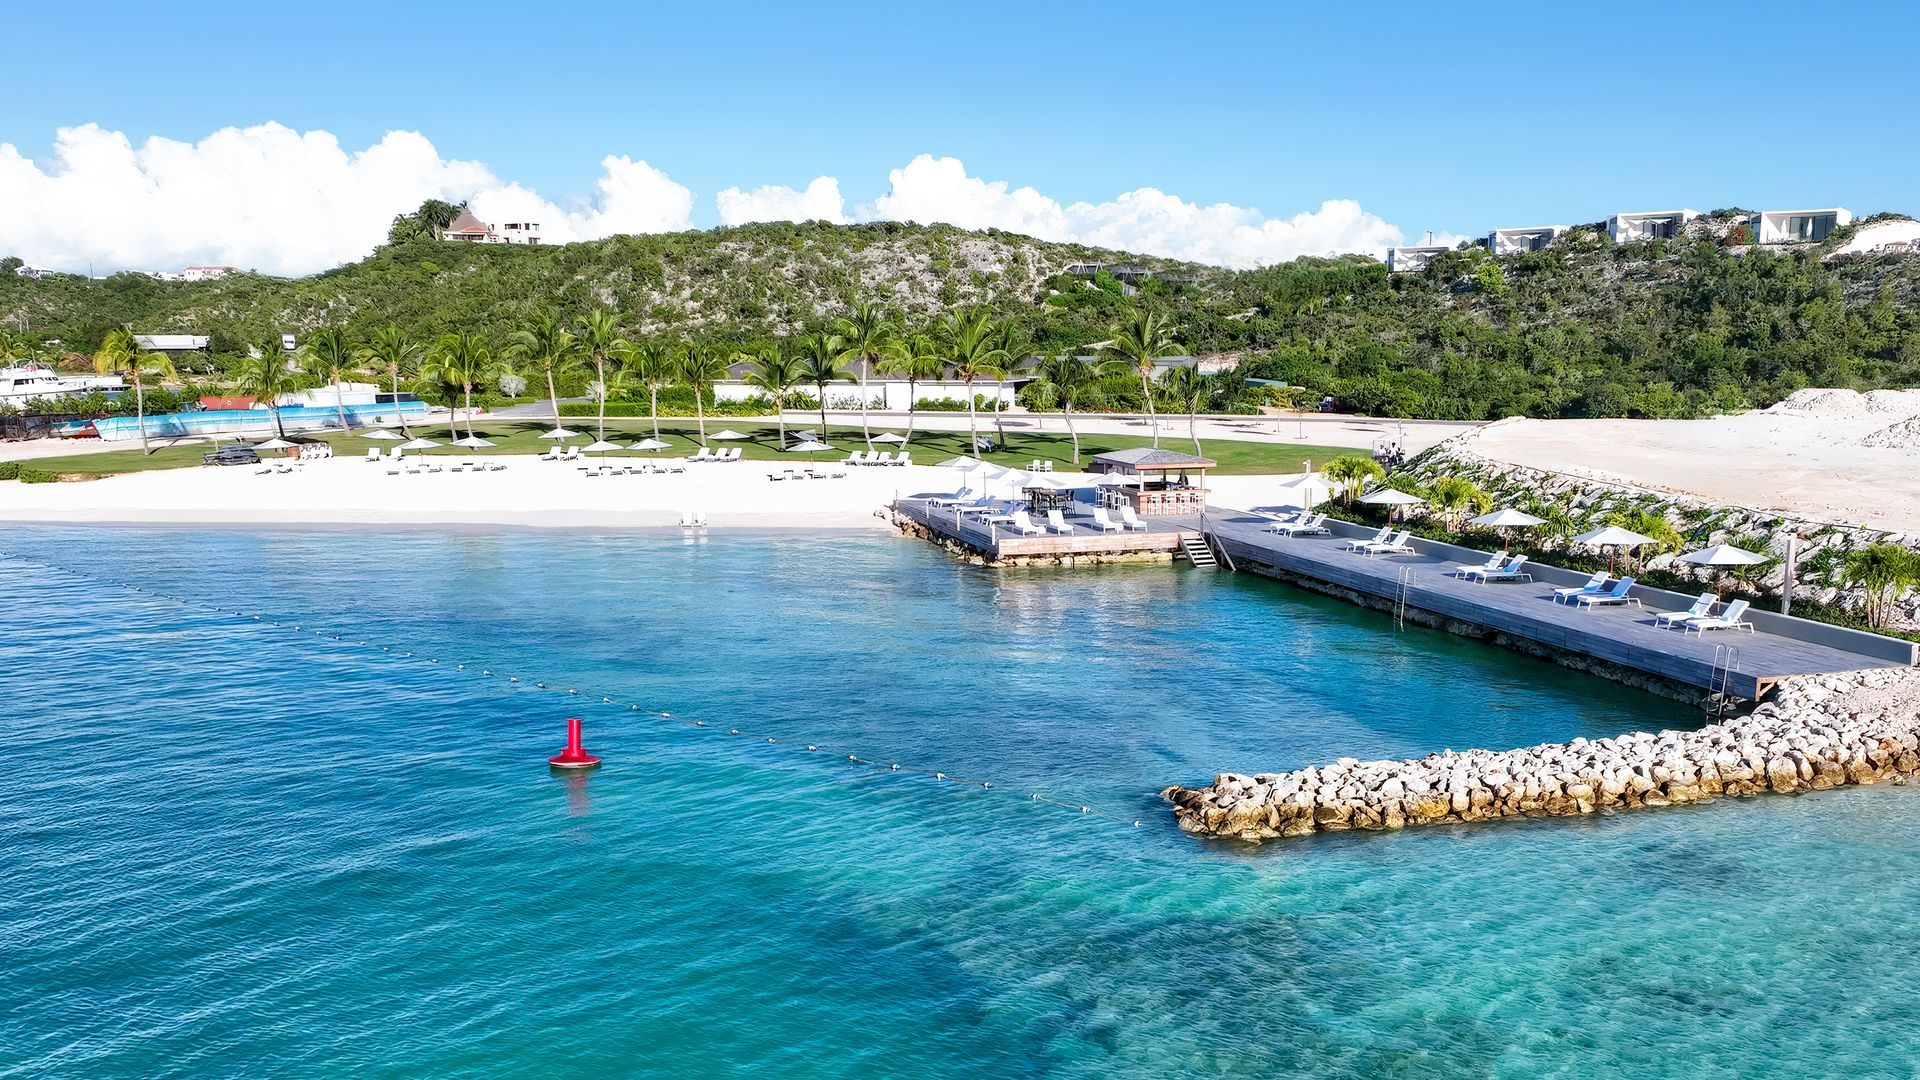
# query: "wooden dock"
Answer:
x=1523 y=615
x=998 y=544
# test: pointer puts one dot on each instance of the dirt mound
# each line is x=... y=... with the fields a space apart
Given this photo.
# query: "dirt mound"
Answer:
x=1817 y=401
x=1904 y=435
x=1893 y=402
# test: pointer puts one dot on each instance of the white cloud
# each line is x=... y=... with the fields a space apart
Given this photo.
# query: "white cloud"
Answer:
x=820 y=202
x=277 y=200
x=1146 y=220
x=281 y=201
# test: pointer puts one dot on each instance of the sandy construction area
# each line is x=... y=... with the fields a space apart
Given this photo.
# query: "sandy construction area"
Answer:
x=1828 y=455
x=528 y=493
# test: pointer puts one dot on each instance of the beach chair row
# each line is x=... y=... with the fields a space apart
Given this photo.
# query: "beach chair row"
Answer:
x=878 y=457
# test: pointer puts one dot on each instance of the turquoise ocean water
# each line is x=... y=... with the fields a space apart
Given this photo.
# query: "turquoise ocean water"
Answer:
x=228 y=848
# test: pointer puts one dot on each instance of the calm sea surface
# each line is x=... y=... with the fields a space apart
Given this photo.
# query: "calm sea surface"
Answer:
x=232 y=848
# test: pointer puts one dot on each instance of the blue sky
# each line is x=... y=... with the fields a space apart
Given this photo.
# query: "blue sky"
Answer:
x=1447 y=117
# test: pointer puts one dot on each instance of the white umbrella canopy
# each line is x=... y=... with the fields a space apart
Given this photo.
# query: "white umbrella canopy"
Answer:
x=1507 y=518
x=1613 y=536
x=808 y=447
x=1724 y=555
x=728 y=435
x=649 y=444
x=1391 y=497
x=274 y=444
x=474 y=442
x=961 y=462
x=1308 y=491
x=560 y=433
x=1049 y=483
x=1017 y=478
x=889 y=437
x=601 y=446
x=419 y=444
x=381 y=433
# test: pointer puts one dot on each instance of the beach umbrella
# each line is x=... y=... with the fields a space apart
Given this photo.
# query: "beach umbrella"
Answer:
x=474 y=442
x=560 y=433
x=1308 y=492
x=601 y=447
x=1393 y=499
x=274 y=444
x=419 y=444
x=1506 y=518
x=809 y=447
x=1612 y=537
x=381 y=433
x=649 y=444
x=889 y=438
x=728 y=435
x=1722 y=555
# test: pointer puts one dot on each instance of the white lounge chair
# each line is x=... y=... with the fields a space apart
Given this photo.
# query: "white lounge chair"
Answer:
x=373 y=454
x=693 y=519
x=1595 y=584
x=955 y=499
x=704 y=455
x=1106 y=523
x=858 y=457
x=552 y=454
x=1394 y=544
x=1730 y=620
x=1058 y=523
x=1615 y=595
x=905 y=458
x=1494 y=562
x=572 y=454
x=1304 y=525
x=732 y=453
x=1377 y=538
x=1702 y=604
x=396 y=454
x=1130 y=519
x=1512 y=571
x=1023 y=522
x=883 y=457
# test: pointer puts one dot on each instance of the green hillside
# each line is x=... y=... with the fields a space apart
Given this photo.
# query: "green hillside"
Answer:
x=1585 y=328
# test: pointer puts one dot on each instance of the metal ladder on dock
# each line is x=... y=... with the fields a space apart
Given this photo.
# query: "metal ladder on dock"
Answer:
x=1198 y=552
x=1726 y=661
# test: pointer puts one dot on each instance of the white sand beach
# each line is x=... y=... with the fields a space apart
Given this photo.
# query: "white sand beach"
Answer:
x=529 y=493
x=1830 y=455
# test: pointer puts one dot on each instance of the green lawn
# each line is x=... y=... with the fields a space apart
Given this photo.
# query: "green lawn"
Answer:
x=928 y=447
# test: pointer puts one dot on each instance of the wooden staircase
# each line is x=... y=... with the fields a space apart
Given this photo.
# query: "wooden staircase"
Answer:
x=1198 y=552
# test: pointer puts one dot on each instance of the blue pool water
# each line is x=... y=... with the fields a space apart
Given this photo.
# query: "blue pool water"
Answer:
x=231 y=848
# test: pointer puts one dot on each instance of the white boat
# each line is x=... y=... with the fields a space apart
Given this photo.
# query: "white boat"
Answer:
x=20 y=385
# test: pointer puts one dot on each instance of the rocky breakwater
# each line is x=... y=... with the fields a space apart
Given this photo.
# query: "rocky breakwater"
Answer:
x=1816 y=732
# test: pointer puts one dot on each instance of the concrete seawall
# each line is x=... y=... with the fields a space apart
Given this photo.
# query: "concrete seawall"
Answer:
x=1816 y=732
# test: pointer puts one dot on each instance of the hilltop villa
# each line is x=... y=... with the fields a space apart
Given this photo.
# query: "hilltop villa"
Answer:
x=1412 y=260
x=1798 y=226
x=1521 y=241
x=1649 y=225
x=472 y=230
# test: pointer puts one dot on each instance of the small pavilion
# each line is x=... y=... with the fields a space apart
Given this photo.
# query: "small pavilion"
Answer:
x=1165 y=482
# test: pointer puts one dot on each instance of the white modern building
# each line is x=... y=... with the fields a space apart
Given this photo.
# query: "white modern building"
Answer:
x=28 y=270
x=174 y=345
x=469 y=229
x=1412 y=260
x=1521 y=241
x=206 y=273
x=1649 y=225
x=1798 y=226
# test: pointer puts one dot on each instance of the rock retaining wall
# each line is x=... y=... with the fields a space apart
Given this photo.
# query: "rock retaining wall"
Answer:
x=1816 y=732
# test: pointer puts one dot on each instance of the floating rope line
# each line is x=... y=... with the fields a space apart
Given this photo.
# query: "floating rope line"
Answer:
x=872 y=766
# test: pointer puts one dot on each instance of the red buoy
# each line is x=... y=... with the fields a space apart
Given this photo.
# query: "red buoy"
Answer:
x=574 y=756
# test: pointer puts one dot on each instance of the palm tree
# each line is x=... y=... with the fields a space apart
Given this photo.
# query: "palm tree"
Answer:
x=968 y=339
x=1351 y=472
x=1012 y=344
x=1883 y=572
x=1191 y=389
x=820 y=354
x=602 y=341
x=916 y=357
x=1069 y=376
x=867 y=332
x=1134 y=346
x=120 y=355
x=776 y=373
x=550 y=348
x=330 y=358
x=15 y=347
x=652 y=363
x=394 y=350
x=700 y=369
x=264 y=376
x=1452 y=497
x=462 y=361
